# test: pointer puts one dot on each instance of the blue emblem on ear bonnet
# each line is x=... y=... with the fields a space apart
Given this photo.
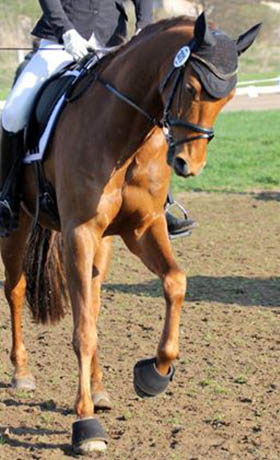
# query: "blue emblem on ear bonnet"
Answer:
x=182 y=56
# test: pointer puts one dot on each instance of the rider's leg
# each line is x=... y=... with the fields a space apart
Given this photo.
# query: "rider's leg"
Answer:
x=176 y=226
x=11 y=155
x=16 y=111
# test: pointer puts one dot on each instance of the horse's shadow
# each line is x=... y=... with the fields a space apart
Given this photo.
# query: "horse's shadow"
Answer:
x=7 y=432
x=268 y=196
x=4 y=385
x=240 y=290
x=46 y=406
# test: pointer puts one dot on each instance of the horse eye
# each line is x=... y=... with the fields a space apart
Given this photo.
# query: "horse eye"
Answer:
x=191 y=89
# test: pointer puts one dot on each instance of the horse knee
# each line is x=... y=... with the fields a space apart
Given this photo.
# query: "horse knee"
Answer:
x=84 y=341
x=175 y=285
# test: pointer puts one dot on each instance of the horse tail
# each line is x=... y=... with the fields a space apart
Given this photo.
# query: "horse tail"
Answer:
x=46 y=292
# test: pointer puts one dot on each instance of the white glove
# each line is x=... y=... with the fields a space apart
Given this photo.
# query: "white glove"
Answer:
x=75 y=44
x=93 y=43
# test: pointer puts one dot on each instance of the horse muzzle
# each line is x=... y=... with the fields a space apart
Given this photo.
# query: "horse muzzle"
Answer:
x=184 y=169
x=180 y=167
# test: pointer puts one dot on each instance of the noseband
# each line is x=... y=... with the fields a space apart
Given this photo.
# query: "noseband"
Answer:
x=177 y=74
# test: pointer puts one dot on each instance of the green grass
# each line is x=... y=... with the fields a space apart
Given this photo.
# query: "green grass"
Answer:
x=16 y=8
x=260 y=78
x=213 y=386
x=241 y=379
x=243 y=156
x=8 y=67
x=243 y=77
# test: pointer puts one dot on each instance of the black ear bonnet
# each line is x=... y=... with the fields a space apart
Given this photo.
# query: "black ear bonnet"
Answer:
x=216 y=64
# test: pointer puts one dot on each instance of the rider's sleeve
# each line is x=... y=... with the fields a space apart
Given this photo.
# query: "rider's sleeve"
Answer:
x=56 y=16
x=144 y=12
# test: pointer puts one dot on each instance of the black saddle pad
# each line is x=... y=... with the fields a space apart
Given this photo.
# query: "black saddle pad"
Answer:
x=49 y=97
x=50 y=93
x=44 y=103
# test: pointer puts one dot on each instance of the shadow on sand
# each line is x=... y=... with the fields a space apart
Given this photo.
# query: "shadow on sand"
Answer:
x=7 y=434
x=268 y=196
x=229 y=290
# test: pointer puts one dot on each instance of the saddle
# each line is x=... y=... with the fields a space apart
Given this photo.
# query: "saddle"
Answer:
x=60 y=87
x=44 y=105
x=55 y=93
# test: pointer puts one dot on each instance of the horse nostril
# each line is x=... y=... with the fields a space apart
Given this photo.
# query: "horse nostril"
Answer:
x=180 y=167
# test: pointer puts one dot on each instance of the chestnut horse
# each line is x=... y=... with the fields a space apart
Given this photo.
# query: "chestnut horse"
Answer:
x=109 y=167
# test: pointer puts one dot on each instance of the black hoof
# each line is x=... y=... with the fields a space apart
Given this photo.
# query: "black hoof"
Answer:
x=148 y=381
x=88 y=435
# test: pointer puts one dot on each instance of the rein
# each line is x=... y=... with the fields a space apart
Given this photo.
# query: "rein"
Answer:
x=128 y=101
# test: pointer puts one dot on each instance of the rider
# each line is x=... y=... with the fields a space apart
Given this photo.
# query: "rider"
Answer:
x=70 y=28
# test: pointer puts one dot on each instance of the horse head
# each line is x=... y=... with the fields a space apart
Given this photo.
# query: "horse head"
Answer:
x=200 y=81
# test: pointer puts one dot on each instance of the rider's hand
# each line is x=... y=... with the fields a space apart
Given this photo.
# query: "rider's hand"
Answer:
x=75 y=44
x=93 y=43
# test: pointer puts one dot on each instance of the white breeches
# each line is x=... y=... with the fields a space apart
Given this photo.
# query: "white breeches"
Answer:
x=42 y=65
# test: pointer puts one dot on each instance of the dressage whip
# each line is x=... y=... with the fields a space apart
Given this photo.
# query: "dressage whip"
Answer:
x=28 y=49
x=102 y=49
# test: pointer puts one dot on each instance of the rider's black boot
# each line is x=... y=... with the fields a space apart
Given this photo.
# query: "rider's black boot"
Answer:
x=177 y=227
x=12 y=148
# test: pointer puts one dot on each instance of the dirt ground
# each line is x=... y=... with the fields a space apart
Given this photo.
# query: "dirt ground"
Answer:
x=224 y=401
x=260 y=102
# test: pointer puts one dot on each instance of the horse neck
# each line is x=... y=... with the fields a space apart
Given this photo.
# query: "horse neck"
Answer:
x=139 y=68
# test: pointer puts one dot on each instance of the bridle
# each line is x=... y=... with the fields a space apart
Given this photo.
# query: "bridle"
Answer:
x=177 y=74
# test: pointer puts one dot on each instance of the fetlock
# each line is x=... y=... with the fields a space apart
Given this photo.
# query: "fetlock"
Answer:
x=12 y=148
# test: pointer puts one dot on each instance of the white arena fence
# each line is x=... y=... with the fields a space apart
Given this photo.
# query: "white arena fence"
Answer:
x=246 y=88
x=254 y=89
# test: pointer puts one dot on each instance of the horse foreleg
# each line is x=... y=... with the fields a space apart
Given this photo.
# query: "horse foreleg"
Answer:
x=80 y=248
x=151 y=376
x=12 y=251
x=102 y=259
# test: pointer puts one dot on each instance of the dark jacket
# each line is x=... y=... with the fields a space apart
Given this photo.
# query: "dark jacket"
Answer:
x=106 y=18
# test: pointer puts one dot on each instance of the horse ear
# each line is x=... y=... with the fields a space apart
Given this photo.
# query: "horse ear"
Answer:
x=245 y=40
x=202 y=33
